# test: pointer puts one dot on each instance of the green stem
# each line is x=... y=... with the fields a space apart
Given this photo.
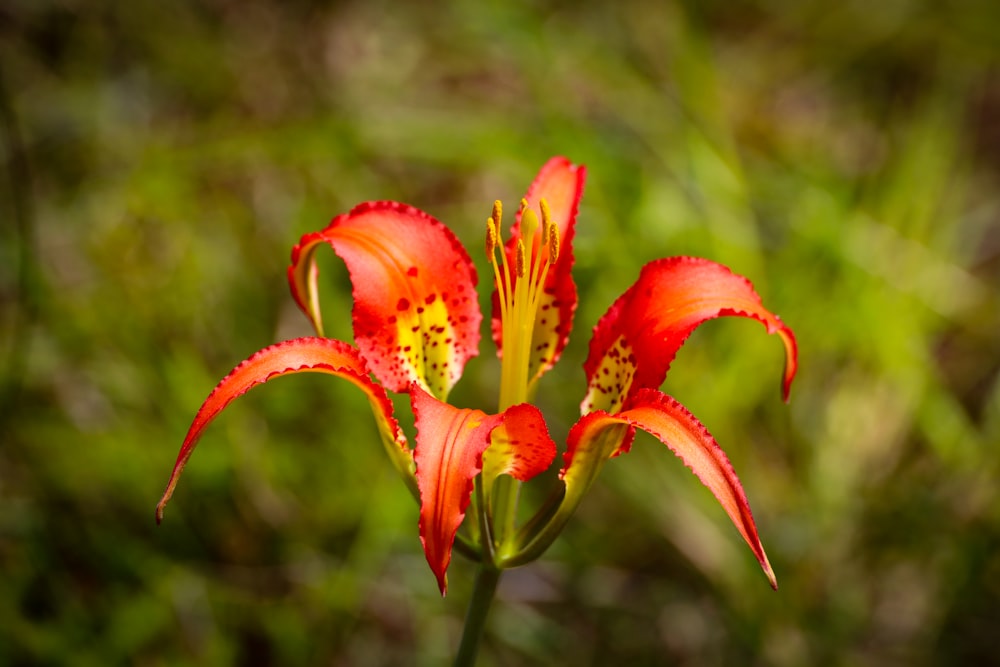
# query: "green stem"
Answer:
x=475 y=620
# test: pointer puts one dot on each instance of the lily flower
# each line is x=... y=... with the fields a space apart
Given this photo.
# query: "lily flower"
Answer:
x=416 y=322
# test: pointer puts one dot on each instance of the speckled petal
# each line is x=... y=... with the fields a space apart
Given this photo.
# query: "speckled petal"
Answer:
x=416 y=315
x=635 y=341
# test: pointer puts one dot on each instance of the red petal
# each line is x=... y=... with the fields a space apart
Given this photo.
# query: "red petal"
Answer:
x=449 y=454
x=521 y=446
x=322 y=355
x=416 y=315
x=668 y=420
x=639 y=336
x=560 y=184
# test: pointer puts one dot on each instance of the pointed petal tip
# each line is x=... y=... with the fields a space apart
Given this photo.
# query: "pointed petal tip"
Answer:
x=168 y=492
x=309 y=354
x=439 y=568
x=448 y=456
x=665 y=418
x=769 y=573
x=768 y=570
x=171 y=483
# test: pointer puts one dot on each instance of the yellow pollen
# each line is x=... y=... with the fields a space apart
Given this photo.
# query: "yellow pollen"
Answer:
x=520 y=257
x=553 y=243
x=546 y=213
x=497 y=216
x=491 y=237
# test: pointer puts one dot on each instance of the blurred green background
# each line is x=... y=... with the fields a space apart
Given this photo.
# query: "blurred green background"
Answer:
x=160 y=160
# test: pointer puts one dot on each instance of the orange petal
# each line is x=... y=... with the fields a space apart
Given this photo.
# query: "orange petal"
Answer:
x=322 y=355
x=600 y=435
x=560 y=184
x=416 y=314
x=448 y=454
x=639 y=336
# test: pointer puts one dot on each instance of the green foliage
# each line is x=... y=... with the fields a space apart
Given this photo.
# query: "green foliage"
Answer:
x=160 y=159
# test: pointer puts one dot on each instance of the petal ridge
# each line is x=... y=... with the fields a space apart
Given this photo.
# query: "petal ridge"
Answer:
x=448 y=455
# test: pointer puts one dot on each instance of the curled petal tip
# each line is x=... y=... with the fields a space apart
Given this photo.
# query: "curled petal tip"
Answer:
x=791 y=361
x=642 y=331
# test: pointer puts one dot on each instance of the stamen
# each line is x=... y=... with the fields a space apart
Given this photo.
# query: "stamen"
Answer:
x=520 y=274
x=501 y=271
x=547 y=225
x=497 y=213
x=491 y=237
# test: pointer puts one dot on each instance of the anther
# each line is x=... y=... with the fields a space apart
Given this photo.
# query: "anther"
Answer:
x=519 y=265
x=491 y=237
x=553 y=243
x=497 y=213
